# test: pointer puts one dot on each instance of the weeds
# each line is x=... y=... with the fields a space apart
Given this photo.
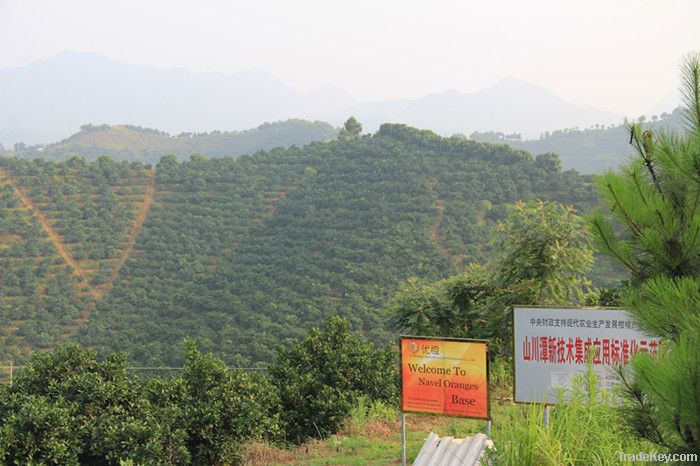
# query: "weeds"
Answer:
x=586 y=430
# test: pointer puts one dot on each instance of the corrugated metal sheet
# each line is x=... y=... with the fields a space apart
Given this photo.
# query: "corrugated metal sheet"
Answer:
x=450 y=451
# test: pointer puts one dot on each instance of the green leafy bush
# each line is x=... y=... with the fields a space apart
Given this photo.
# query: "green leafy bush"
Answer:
x=36 y=431
x=66 y=407
x=222 y=408
x=322 y=377
x=542 y=256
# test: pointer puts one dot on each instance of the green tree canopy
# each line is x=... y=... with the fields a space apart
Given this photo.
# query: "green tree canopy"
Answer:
x=320 y=378
x=352 y=129
x=66 y=407
x=541 y=256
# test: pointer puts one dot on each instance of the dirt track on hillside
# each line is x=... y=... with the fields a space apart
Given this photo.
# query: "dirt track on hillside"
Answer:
x=53 y=235
x=102 y=290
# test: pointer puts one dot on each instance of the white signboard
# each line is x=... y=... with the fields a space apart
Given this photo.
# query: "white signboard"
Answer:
x=553 y=345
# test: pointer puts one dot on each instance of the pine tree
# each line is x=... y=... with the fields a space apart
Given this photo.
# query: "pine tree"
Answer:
x=653 y=229
x=352 y=129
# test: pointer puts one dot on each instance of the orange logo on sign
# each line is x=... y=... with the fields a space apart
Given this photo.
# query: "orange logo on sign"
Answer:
x=444 y=377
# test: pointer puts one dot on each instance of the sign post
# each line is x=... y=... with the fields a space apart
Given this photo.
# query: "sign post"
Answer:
x=403 y=438
x=447 y=376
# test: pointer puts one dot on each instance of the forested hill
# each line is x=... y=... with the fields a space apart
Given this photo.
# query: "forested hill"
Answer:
x=246 y=253
x=128 y=142
x=591 y=150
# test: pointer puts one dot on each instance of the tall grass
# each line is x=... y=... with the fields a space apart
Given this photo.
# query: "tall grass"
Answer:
x=366 y=412
x=501 y=377
x=586 y=430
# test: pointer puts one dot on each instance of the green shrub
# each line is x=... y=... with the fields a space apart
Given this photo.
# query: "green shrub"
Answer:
x=222 y=408
x=36 y=431
x=501 y=376
x=322 y=377
x=66 y=407
x=365 y=410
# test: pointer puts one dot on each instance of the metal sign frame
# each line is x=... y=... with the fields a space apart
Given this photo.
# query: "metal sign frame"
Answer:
x=403 y=412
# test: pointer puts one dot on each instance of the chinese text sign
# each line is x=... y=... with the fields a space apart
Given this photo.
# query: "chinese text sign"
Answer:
x=553 y=345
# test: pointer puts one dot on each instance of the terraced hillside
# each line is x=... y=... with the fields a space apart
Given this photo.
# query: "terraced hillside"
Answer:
x=38 y=296
x=131 y=143
x=246 y=253
x=77 y=223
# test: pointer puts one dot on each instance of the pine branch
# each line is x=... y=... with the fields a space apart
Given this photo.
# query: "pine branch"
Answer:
x=608 y=245
x=649 y=429
x=637 y=230
x=637 y=185
x=690 y=247
x=693 y=173
x=690 y=90
x=645 y=148
x=695 y=206
x=661 y=218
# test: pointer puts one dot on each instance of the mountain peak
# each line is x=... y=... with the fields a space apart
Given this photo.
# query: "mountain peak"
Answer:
x=512 y=84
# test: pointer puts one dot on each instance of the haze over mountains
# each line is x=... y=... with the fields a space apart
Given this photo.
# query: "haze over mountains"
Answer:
x=511 y=105
x=49 y=100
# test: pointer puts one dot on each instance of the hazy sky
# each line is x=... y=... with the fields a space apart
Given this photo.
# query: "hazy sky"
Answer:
x=617 y=55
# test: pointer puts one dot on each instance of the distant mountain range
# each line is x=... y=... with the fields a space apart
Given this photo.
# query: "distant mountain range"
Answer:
x=510 y=105
x=589 y=150
x=47 y=101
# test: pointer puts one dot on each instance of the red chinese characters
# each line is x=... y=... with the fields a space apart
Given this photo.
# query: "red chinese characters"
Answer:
x=561 y=350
